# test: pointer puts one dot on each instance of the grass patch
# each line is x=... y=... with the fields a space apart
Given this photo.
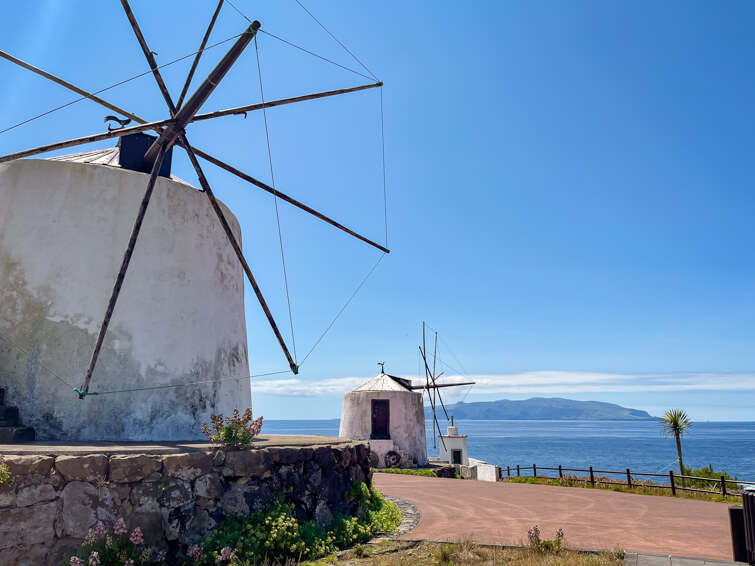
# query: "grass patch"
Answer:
x=407 y=472
x=641 y=487
x=467 y=553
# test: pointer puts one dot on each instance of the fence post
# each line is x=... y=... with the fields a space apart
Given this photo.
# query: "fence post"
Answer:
x=517 y=471
x=723 y=486
x=592 y=477
x=673 y=486
x=508 y=471
x=629 y=479
x=534 y=470
x=560 y=473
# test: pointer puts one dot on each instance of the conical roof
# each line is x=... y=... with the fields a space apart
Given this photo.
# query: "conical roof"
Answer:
x=109 y=156
x=383 y=382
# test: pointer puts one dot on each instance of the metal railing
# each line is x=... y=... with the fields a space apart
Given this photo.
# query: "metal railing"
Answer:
x=628 y=476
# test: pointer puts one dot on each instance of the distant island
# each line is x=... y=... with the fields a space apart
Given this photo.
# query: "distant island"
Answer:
x=545 y=408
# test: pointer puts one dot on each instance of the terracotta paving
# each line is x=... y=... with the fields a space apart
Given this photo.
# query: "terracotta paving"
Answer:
x=591 y=519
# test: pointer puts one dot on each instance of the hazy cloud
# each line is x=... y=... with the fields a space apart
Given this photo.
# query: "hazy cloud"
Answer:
x=535 y=382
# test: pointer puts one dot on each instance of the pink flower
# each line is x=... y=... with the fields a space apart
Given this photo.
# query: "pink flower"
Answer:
x=120 y=527
x=128 y=562
x=136 y=536
x=226 y=553
x=195 y=551
x=76 y=561
x=94 y=559
x=160 y=556
x=255 y=427
x=99 y=529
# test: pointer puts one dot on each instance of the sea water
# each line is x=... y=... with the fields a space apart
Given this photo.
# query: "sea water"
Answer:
x=604 y=445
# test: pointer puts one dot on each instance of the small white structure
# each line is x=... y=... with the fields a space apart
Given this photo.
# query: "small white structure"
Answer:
x=453 y=446
x=64 y=225
x=388 y=413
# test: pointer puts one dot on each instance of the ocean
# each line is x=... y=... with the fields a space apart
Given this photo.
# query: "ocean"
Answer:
x=605 y=445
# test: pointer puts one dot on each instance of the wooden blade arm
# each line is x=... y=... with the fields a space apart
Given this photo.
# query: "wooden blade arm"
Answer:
x=237 y=248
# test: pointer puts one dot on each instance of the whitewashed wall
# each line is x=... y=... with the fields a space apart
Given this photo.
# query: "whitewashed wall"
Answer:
x=406 y=425
x=180 y=317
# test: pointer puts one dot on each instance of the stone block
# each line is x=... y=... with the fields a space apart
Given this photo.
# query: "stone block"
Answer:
x=32 y=494
x=253 y=463
x=7 y=496
x=175 y=496
x=26 y=555
x=233 y=501
x=325 y=457
x=210 y=486
x=347 y=456
x=27 y=526
x=128 y=468
x=79 y=508
x=82 y=468
x=143 y=492
x=187 y=466
x=148 y=518
x=323 y=514
x=22 y=466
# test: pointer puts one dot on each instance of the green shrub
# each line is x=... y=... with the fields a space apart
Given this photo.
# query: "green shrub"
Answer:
x=707 y=472
x=233 y=432
x=274 y=534
x=544 y=545
x=5 y=476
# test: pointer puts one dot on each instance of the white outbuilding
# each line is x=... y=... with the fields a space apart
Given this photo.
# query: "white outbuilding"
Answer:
x=64 y=225
x=390 y=414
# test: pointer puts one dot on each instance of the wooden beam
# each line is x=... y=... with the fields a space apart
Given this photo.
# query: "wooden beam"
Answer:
x=122 y=272
x=438 y=385
x=192 y=106
x=72 y=87
x=282 y=102
x=237 y=248
x=202 y=45
x=288 y=199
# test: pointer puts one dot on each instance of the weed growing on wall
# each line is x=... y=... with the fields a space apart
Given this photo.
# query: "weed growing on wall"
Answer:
x=233 y=432
x=5 y=476
x=274 y=534
x=118 y=547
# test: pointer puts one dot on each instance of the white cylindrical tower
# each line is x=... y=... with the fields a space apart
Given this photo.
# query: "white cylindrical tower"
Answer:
x=64 y=226
x=391 y=416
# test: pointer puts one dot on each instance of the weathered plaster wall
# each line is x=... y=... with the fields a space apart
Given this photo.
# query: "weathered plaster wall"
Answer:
x=180 y=317
x=175 y=499
x=406 y=425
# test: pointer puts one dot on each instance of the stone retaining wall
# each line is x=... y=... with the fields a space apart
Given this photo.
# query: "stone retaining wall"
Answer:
x=175 y=499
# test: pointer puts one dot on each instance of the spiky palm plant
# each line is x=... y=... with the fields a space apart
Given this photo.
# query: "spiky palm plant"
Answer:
x=675 y=422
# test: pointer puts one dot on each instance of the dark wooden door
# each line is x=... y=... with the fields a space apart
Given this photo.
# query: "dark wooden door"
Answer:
x=380 y=419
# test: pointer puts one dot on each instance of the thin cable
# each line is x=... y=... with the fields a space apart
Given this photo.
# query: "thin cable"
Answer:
x=337 y=40
x=316 y=55
x=188 y=384
x=466 y=373
x=275 y=199
x=116 y=85
x=343 y=308
x=306 y=50
x=31 y=358
x=239 y=11
x=385 y=190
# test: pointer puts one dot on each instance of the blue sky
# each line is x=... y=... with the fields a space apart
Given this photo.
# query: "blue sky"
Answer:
x=569 y=185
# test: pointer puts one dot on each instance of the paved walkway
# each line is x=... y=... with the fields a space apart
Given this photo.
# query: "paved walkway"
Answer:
x=502 y=513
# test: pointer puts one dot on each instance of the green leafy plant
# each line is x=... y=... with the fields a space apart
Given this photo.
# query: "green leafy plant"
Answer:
x=539 y=544
x=275 y=535
x=407 y=471
x=708 y=472
x=233 y=432
x=5 y=475
x=118 y=547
